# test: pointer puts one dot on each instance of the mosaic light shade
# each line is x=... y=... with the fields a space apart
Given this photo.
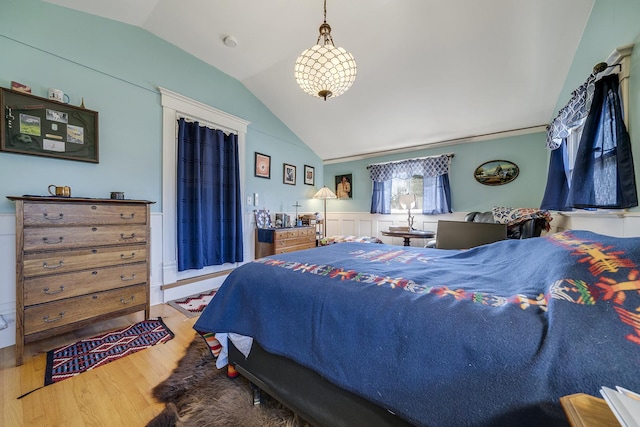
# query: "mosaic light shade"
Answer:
x=324 y=70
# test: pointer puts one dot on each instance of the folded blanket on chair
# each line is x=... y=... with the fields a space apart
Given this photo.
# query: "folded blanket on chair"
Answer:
x=513 y=216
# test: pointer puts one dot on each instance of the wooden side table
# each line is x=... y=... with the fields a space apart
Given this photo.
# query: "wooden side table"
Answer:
x=584 y=410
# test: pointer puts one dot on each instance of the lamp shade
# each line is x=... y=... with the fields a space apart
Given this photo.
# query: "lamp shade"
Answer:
x=325 y=71
x=325 y=193
x=407 y=200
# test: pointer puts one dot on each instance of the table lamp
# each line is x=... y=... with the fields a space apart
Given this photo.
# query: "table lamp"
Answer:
x=407 y=200
x=325 y=193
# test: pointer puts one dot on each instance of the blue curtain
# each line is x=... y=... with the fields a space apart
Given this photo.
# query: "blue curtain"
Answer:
x=436 y=195
x=209 y=210
x=603 y=174
x=381 y=197
x=556 y=194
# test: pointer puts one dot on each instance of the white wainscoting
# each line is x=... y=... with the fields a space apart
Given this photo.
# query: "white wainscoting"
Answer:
x=610 y=223
x=8 y=278
x=372 y=225
x=365 y=224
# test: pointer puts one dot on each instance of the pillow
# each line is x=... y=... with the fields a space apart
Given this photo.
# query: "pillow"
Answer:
x=339 y=239
x=512 y=216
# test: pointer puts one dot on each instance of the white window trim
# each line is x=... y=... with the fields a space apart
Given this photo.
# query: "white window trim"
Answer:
x=174 y=107
x=622 y=56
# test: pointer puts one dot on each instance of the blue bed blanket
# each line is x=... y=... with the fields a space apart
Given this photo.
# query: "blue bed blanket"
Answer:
x=488 y=336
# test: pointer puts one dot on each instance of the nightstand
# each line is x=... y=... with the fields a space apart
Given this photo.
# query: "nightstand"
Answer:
x=274 y=241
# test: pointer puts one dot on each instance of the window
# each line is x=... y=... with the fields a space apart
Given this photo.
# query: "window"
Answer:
x=427 y=178
x=591 y=166
x=174 y=107
x=401 y=186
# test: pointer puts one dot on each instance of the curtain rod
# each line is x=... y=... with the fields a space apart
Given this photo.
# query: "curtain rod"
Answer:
x=450 y=155
x=603 y=66
x=205 y=123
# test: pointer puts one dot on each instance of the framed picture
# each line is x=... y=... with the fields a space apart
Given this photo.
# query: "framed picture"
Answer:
x=344 y=186
x=309 y=175
x=289 y=174
x=496 y=172
x=42 y=127
x=262 y=166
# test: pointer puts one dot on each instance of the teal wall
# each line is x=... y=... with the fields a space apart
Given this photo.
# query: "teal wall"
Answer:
x=612 y=23
x=117 y=69
x=526 y=151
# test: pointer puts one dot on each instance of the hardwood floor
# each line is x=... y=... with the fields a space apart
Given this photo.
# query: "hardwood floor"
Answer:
x=116 y=394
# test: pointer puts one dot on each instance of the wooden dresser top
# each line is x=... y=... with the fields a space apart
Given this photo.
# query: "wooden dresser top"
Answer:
x=53 y=199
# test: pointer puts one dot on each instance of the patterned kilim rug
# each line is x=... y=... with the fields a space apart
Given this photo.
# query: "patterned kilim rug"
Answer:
x=71 y=360
x=193 y=305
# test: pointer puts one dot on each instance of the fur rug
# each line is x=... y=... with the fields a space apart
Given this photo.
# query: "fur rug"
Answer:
x=198 y=394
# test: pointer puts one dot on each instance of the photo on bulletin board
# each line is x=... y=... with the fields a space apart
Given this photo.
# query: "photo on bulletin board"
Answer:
x=42 y=127
x=344 y=186
x=263 y=166
x=309 y=175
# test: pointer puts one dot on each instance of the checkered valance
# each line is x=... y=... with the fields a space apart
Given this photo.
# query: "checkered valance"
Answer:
x=571 y=115
x=404 y=169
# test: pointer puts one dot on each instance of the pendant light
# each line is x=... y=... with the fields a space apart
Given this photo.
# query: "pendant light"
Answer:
x=325 y=71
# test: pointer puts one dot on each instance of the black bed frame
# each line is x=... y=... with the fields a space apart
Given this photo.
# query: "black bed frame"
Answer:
x=308 y=394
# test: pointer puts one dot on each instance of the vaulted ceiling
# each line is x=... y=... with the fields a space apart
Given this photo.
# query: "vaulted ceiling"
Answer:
x=428 y=71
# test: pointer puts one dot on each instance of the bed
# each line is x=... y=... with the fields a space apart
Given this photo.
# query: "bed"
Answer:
x=494 y=335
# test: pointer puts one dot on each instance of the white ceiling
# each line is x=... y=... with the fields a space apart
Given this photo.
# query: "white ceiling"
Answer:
x=428 y=71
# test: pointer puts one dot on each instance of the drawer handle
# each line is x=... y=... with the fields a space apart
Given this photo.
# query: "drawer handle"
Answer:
x=123 y=216
x=127 y=301
x=123 y=256
x=48 y=292
x=45 y=265
x=46 y=216
x=55 y=319
x=133 y=236
x=47 y=242
x=124 y=279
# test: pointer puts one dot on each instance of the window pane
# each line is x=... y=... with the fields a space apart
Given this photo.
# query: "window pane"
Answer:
x=399 y=187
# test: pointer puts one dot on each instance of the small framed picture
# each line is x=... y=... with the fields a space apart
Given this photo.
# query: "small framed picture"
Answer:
x=344 y=189
x=263 y=166
x=289 y=174
x=309 y=175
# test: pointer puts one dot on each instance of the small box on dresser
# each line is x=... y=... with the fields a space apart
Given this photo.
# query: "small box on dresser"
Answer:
x=78 y=261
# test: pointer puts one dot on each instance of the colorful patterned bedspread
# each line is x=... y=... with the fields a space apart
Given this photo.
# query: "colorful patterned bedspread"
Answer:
x=489 y=336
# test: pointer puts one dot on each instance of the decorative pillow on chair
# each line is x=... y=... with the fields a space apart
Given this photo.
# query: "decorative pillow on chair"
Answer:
x=511 y=216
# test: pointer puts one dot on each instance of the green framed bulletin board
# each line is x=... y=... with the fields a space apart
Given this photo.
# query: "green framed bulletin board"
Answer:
x=41 y=127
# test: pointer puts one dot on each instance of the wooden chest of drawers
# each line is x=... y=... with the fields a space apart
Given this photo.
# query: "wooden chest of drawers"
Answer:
x=280 y=241
x=78 y=261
